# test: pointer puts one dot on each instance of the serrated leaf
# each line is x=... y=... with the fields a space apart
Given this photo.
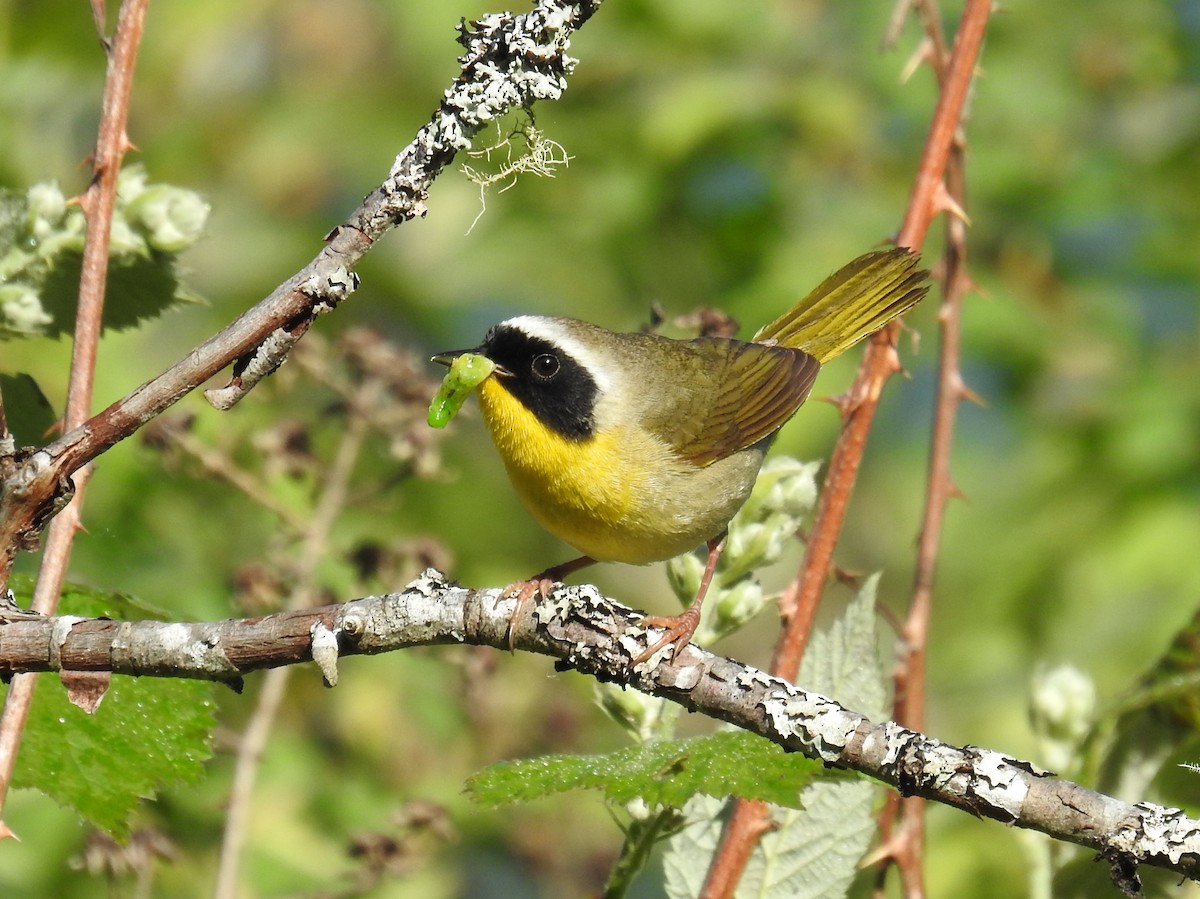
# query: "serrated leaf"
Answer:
x=1156 y=719
x=147 y=733
x=87 y=602
x=667 y=772
x=813 y=855
x=843 y=661
x=139 y=288
x=41 y=247
x=813 y=852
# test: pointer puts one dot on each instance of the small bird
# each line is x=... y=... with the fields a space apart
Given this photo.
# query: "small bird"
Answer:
x=634 y=447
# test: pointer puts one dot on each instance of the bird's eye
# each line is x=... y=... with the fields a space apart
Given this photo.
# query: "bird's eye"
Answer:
x=545 y=366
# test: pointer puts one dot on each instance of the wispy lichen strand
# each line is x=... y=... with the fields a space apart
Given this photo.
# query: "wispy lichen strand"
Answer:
x=510 y=62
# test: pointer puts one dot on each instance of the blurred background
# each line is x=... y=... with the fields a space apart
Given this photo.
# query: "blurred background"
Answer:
x=720 y=155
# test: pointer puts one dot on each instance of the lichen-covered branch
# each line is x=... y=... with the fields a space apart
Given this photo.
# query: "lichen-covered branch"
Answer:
x=590 y=633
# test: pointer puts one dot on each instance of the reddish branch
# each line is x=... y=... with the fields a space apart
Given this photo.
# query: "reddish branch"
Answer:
x=907 y=849
x=98 y=202
x=902 y=823
x=798 y=606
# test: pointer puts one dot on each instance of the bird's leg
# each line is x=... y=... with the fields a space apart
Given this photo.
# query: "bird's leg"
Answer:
x=681 y=627
x=541 y=585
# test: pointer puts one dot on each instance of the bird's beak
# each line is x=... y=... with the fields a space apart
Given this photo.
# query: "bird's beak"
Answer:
x=450 y=355
x=447 y=358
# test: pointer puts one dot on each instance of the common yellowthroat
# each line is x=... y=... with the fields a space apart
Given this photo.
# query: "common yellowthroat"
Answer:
x=635 y=447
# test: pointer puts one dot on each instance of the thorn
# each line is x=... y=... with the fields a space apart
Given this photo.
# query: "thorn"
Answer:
x=127 y=144
x=956 y=493
x=843 y=402
x=914 y=338
x=6 y=832
x=885 y=851
x=943 y=201
x=973 y=286
x=895 y=366
x=892 y=34
x=762 y=826
x=98 y=17
x=970 y=395
x=923 y=54
x=959 y=386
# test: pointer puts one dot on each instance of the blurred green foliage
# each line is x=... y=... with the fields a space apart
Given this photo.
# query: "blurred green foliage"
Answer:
x=721 y=155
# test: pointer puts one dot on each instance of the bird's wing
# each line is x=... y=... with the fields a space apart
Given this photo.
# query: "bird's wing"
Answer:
x=752 y=390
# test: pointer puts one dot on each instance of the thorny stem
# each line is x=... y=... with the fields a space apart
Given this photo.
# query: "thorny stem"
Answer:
x=910 y=674
x=902 y=819
x=799 y=604
x=880 y=361
x=748 y=820
x=245 y=772
x=905 y=846
x=98 y=202
x=313 y=547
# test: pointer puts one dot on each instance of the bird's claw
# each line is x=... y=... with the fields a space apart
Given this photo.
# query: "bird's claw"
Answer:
x=680 y=629
x=524 y=591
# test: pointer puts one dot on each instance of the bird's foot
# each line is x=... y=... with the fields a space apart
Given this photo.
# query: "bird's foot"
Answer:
x=524 y=591
x=680 y=629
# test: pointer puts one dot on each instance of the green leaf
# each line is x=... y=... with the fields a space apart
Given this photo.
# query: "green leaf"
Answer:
x=667 y=772
x=1136 y=748
x=843 y=661
x=813 y=852
x=27 y=412
x=147 y=733
x=41 y=252
x=139 y=288
x=86 y=602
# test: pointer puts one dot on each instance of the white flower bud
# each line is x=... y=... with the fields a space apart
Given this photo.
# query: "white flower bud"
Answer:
x=170 y=217
x=1062 y=705
x=21 y=310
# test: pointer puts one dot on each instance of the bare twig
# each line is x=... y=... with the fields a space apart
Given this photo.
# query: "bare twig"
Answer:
x=798 y=606
x=245 y=773
x=590 y=633
x=311 y=549
x=98 y=202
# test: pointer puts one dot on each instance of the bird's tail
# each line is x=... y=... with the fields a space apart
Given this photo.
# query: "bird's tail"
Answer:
x=856 y=300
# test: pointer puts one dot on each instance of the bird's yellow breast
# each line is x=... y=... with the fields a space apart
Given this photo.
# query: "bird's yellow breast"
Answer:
x=619 y=494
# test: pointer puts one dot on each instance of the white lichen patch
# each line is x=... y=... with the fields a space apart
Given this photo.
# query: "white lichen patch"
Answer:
x=1159 y=831
x=822 y=726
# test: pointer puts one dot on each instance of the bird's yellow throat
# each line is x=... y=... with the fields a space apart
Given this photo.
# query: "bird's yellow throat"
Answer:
x=584 y=491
